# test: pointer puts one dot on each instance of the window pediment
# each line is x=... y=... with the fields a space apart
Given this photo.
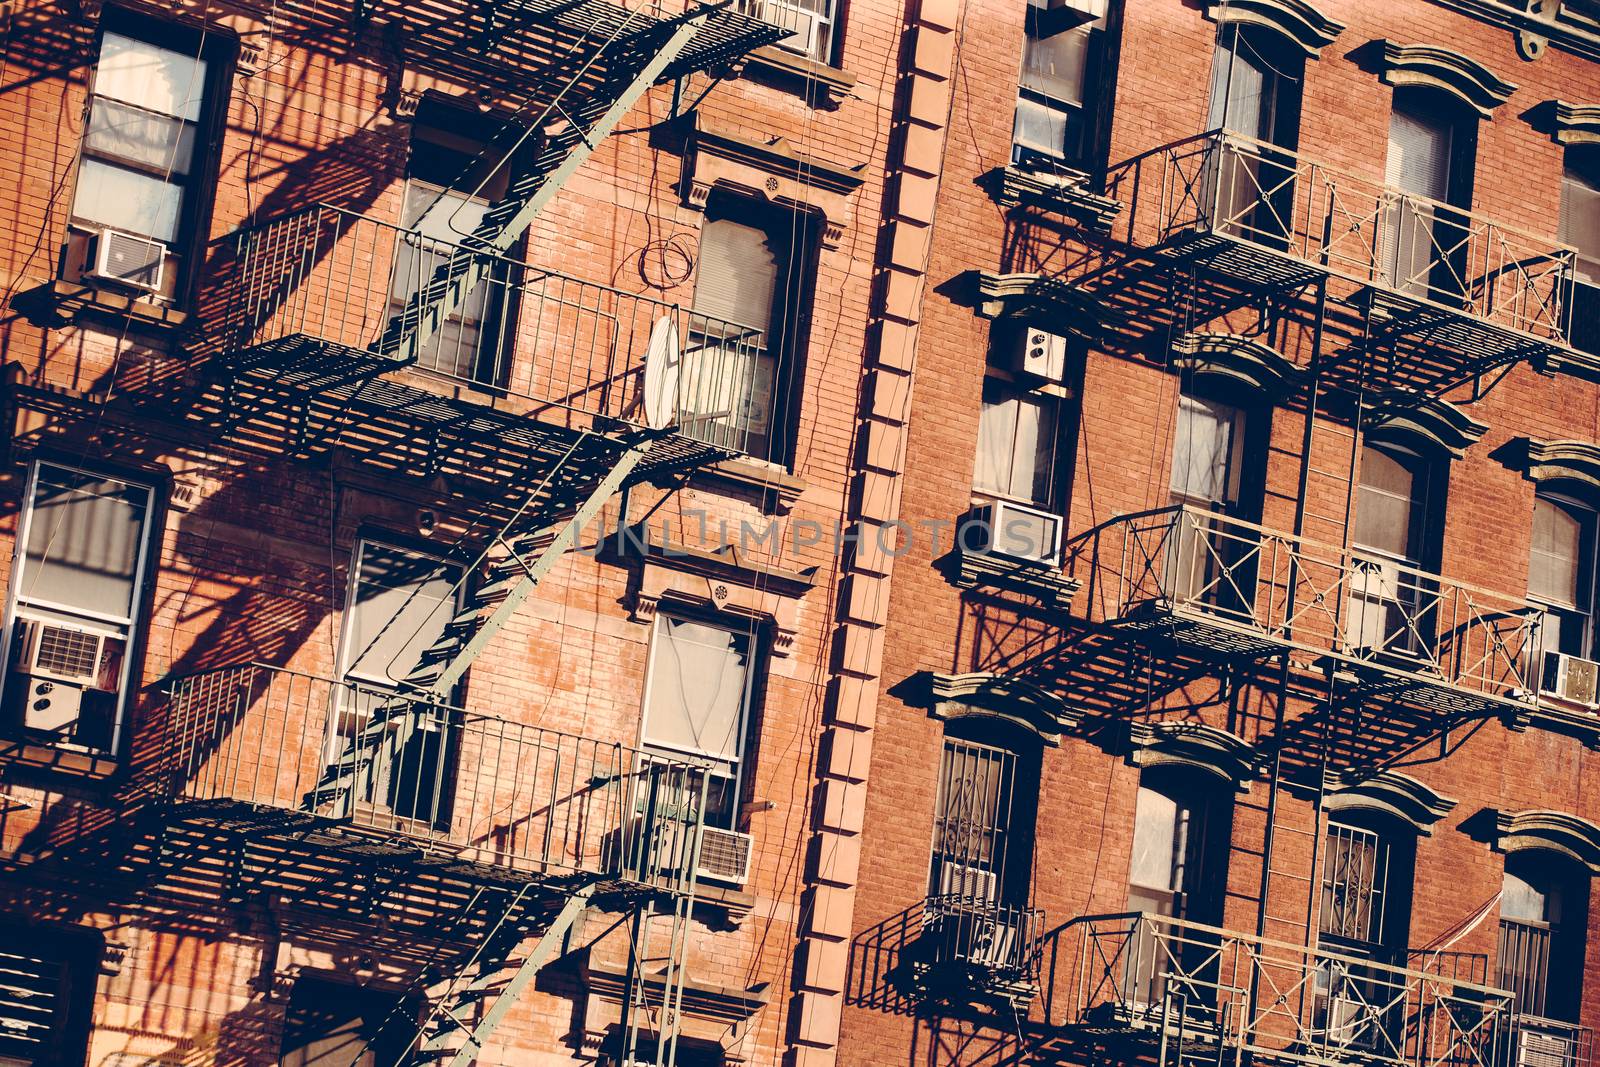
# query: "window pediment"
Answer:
x=1553 y=831
x=1394 y=794
x=1001 y=697
x=1434 y=67
x=1575 y=123
x=777 y=171
x=1563 y=461
x=1208 y=749
x=1297 y=20
x=1052 y=303
x=1236 y=363
x=1432 y=421
x=725 y=583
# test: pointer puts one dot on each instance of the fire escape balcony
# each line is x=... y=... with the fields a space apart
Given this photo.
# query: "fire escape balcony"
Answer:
x=1220 y=588
x=1266 y=217
x=456 y=791
x=975 y=947
x=533 y=355
x=1190 y=987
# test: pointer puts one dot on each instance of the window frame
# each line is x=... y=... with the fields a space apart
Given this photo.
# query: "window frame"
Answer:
x=749 y=727
x=1012 y=391
x=78 y=952
x=197 y=197
x=347 y=630
x=1013 y=873
x=828 y=35
x=1559 y=992
x=1395 y=897
x=1584 y=609
x=1084 y=122
x=136 y=624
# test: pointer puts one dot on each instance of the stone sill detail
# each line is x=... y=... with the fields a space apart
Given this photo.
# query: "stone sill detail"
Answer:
x=823 y=85
x=1068 y=192
x=977 y=570
x=62 y=303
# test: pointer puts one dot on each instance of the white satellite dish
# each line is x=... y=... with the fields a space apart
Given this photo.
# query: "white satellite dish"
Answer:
x=662 y=362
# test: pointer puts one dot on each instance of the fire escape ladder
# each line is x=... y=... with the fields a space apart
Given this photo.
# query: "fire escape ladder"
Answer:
x=573 y=125
x=644 y=1013
x=494 y=977
x=532 y=541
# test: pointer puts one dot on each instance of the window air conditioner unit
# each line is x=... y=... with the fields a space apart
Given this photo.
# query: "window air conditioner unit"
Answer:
x=1541 y=1048
x=1351 y=1023
x=966 y=883
x=61 y=662
x=724 y=856
x=1016 y=532
x=127 y=259
x=1038 y=353
x=789 y=17
x=1570 y=678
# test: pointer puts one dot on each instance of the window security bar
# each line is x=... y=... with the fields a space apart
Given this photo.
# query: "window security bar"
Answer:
x=496 y=792
x=1234 y=578
x=1356 y=228
x=558 y=348
x=1294 y=1004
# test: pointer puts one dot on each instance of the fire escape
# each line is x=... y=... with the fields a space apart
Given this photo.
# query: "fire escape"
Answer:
x=473 y=845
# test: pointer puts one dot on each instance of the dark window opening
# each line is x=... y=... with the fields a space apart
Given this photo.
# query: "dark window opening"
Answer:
x=1561 y=573
x=1579 y=227
x=138 y=209
x=1065 y=91
x=1256 y=78
x=1425 y=238
x=984 y=820
x=330 y=1022
x=1544 y=912
x=47 y=987
x=1219 y=478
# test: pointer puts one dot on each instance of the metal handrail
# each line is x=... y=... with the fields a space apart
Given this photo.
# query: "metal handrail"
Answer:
x=495 y=791
x=563 y=348
x=1291 y=1002
x=1006 y=941
x=1348 y=603
x=1358 y=228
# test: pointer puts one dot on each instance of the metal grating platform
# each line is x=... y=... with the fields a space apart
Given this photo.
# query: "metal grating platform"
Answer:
x=1247 y=263
x=1208 y=637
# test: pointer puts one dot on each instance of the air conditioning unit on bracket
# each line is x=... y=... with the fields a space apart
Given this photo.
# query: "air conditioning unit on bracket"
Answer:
x=126 y=259
x=1571 y=678
x=789 y=17
x=1544 y=1048
x=1036 y=352
x=1015 y=532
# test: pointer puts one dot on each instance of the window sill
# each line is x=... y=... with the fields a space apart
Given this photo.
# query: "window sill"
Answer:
x=780 y=490
x=974 y=570
x=63 y=303
x=15 y=752
x=823 y=85
x=1067 y=191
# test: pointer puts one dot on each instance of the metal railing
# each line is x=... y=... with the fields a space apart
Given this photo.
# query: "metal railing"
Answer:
x=1241 y=580
x=1257 y=997
x=1354 y=227
x=493 y=791
x=573 y=349
x=989 y=943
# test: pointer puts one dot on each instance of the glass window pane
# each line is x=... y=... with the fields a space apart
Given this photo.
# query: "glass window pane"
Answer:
x=1055 y=66
x=1580 y=218
x=1385 y=500
x=1041 y=127
x=1158 y=824
x=154 y=78
x=1203 y=450
x=1243 y=89
x=1553 y=563
x=1419 y=153
x=737 y=277
x=141 y=137
x=84 y=536
x=997 y=430
x=1520 y=899
x=115 y=196
x=403 y=601
x=698 y=678
x=1035 y=447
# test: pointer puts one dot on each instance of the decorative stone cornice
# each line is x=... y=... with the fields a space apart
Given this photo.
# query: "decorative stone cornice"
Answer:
x=774 y=170
x=1005 y=698
x=1394 y=794
x=1297 y=20
x=1554 y=831
x=1565 y=461
x=1437 y=422
x=1537 y=24
x=722 y=582
x=1069 y=192
x=1050 y=302
x=1575 y=123
x=1434 y=67
x=1208 y=749
x=1236 y=362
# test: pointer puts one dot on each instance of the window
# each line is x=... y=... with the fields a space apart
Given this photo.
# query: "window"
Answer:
x=983 y=822
x=47 y=994
x=1396 y=531
x=750 y=296
x=76 y=607
x=812 y=23
x=144 y=148
x=698 y=700
x=399 y=604
x=1432 y=143
x=1580 y=228
x=1255 y=96
x=1544 y=908
x=1207 y=561
x=1176 y=852
x=1016 y=444
x=332 y=1022
x=1561 y=573
x=450 y=182
x=1207 y=454
x=1063 y=84
x=1365 y=912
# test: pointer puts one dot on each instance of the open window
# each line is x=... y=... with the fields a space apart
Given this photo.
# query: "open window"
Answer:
x=77 y=608
x=329 y=1021
x=139 y=207
x=47 y=987
x=752 y=297
x=1432 y=149
x=1580 y=227
x=1397 y=532
x=1217 y=477
x=1256 y=77
x=812 y=24
x=1544 y=919
x=1066 y=85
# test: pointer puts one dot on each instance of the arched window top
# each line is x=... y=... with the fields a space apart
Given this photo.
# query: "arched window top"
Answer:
x=1433 y=67
x=1389 y=795
x=1235 y=368
x=1428 y=425
x=1297 y=21
x=1195 y=748
x=1534 y=830
x=1569 y=468
x=984 y=701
